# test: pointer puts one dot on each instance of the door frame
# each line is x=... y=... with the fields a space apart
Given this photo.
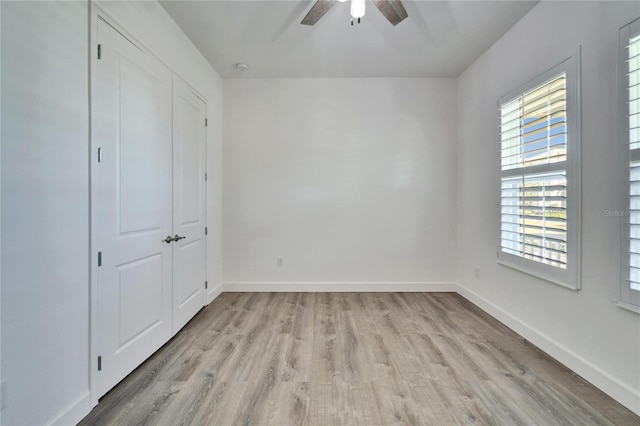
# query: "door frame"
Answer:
x=97 y=13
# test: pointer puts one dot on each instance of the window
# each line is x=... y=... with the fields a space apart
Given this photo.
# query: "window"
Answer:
x=629 y=66
x=539 y=188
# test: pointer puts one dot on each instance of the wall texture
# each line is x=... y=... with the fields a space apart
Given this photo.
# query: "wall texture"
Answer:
x=45 y=209
x=583 y=329
x=350 y=181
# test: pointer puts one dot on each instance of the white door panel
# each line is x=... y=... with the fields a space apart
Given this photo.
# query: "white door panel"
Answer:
x=133 y=205
x=189 y=181
x=139 y=298
x=188 y=261
x=141 y=104
x=189 y=155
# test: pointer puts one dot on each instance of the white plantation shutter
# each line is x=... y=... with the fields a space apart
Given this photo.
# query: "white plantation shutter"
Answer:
x=535 y=171
x=630 y=82
x=534 y=217
x=533 y=126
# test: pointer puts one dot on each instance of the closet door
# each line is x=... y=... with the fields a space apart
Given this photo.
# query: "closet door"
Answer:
x=189 y=156
x=133 y=204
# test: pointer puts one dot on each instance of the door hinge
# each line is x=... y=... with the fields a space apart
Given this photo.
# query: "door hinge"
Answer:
x=99 y=155
x=205 y=176
x=206 y=285
x=99 y=363
x=206 y=230
x=99 y=51
x=99 y=258
x=206 y=122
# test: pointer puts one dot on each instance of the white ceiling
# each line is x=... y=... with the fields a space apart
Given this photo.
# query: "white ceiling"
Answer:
x=438 y=39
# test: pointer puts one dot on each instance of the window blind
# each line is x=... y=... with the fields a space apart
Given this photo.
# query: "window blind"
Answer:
x=633 y=111
x=533 y=192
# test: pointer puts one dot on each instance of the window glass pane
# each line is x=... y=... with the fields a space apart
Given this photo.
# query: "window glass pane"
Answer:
x=533 y=208
x=533 y=127
x=533 y=217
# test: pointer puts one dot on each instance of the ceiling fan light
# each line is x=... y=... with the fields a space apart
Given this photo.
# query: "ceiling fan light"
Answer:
x=357 y=8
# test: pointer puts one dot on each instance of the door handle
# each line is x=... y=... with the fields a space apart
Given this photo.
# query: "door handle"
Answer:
x=168 y=239
x=178 y=238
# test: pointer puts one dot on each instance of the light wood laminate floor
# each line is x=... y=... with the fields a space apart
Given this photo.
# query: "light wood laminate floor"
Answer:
x=352 y=359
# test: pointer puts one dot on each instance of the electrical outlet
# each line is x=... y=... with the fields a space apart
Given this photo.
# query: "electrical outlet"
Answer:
x=279 y=261
x=3 y=394
x=477 y=272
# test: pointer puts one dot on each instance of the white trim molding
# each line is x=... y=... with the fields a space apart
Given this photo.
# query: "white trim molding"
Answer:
x=75 y=412
x=342 y=287
x=617 y=390
x=213 y=293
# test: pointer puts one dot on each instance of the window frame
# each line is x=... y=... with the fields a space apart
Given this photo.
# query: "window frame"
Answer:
x=627 y=297
x=571 y=276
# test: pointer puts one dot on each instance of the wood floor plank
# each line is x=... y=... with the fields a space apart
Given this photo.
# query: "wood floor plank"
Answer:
x=352 y=359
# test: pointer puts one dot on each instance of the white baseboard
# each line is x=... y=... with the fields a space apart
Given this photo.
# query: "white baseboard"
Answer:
x=214 y=293
x=342 y=287
x=600 y=379
x=75 y=412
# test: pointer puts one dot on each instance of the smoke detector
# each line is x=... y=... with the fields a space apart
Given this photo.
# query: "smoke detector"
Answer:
x=241 y=67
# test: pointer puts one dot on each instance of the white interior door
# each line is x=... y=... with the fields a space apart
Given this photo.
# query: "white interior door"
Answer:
x=189 y=155
x=133 y=205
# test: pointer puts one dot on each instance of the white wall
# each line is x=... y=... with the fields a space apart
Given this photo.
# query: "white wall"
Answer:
x=1 y=376
x=583 y=329
x=45 y=210
x=351 y=181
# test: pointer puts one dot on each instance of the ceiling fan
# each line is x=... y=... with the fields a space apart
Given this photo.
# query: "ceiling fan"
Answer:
x=393 y=10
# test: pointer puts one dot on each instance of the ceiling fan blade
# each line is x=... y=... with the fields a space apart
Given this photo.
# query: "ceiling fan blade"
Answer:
x=393 y=10
x=317 y=11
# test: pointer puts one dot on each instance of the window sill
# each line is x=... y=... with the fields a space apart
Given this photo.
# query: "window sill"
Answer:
x=538 y=274
x=629 y=307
